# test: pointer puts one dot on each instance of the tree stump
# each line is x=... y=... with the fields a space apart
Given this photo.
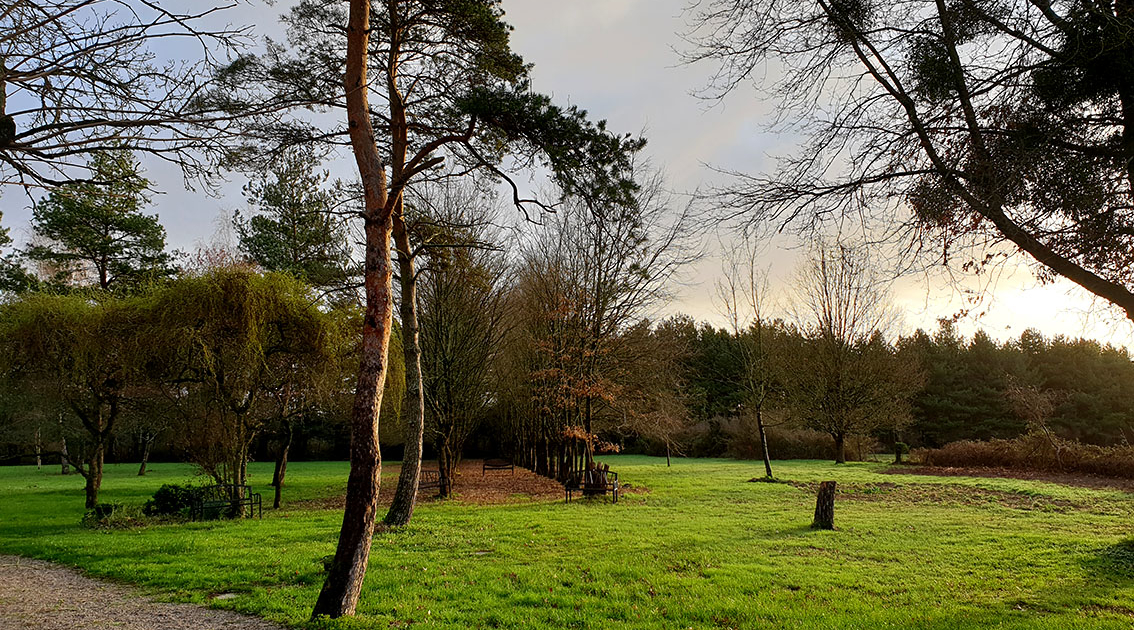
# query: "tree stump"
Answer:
x=825 y=506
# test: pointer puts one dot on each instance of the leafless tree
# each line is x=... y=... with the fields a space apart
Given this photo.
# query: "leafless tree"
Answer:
x=958 y=130
x=845 y=379
x=743 y=292
x=80 y=77
x=587 y=275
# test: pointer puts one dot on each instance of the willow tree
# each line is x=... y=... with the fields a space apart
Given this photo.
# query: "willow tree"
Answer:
x=445 y=86
x=224 y=341
x=80 y=354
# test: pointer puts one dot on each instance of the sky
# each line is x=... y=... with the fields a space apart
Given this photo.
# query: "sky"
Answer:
x=620 y=60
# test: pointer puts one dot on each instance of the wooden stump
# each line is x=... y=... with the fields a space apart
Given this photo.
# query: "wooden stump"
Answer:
x=825 y=506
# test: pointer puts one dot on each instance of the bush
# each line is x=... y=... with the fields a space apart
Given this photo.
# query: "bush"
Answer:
x=171 y=500
x=1033 y=452
x=113 y=516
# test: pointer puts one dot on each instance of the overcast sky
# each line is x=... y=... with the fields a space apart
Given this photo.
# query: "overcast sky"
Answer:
x=617 y=59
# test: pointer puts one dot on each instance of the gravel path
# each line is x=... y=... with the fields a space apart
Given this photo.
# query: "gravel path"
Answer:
x=37 y=595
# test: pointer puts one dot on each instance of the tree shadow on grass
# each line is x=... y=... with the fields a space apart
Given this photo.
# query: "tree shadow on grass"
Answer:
x=1115 y=562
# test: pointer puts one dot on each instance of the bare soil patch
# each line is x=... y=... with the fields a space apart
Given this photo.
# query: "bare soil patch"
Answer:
x=37 y=595
x=472 y=486
x=1069 y=479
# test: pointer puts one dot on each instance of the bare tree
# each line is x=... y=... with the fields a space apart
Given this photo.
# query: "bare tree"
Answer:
x=462 y=329
x=587 y=275
x=79 y=77
x=744 y=294
x=845 y=379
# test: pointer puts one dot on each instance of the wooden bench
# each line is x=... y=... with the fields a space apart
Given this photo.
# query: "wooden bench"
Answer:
x=497 y=464
x=594 y=482
x=429 y=480
x=225 y=500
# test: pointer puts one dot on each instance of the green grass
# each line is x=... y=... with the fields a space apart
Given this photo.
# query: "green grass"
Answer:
x=701 y=549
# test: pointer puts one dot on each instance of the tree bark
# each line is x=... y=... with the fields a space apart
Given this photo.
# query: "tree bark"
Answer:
x=825 y=507
x=445 y=466
x=340 y=592
x=147 y=442
x=764 y=443
x=64 y=459
x=93 y=475
x=840 y=448
x=281 y=464
x=405 y=497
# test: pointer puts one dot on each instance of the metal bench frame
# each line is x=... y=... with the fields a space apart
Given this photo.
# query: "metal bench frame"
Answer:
x=591 y=483
x=227 y=497
x=497 y=464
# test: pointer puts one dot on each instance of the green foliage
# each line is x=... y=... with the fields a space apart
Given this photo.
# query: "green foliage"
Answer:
x=585 y=159
x=685 y=552
x=171 y=500
x=292 y=226
x=965 y=394
x=95 y=233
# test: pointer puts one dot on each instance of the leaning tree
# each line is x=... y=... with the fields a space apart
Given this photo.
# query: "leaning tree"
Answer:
x=959 y=125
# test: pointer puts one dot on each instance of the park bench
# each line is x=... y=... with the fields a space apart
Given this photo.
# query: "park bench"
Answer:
x=225 y=500
x=429 y=480
x=497 y=464
x=593 y=482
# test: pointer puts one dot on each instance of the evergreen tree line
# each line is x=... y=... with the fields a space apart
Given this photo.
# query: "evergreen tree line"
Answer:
x=965 y=393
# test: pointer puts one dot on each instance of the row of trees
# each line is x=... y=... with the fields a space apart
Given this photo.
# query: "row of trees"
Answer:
x=961 y=389
x=211 y=359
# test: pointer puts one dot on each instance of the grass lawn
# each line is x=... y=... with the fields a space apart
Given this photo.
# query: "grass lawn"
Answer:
x=700 y=549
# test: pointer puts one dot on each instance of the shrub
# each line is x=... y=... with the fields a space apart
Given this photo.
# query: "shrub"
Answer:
x=171 y=500
x=1033 y=452
x=113 y=516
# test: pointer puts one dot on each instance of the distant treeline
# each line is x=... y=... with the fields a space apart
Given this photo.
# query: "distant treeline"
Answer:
x=965 y=395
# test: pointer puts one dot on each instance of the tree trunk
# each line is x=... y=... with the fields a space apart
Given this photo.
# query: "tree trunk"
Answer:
x=667 y=453
x=38 y=450
x=93 y=475
x=405 y=497
x=840 y=448
x=764 y=444
x=445 y=464
x=825 y=506
x=281 y=465
x=340 y=592
x=145 y=455
x=64 y=459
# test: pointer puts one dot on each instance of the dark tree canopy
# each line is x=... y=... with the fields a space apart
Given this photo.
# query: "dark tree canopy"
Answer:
x=97 y=228
x=956 y=124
